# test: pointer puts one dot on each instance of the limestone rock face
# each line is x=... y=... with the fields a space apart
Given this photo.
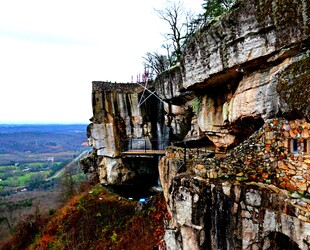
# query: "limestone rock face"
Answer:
x=252 y=30
x=293 y=89
x=263 y=204
x=113 y=171
x=168 y=169
x=179 y=118
x=244 y=67
x=237 y=75
x=169 y=83
x=103 y=139
x=120 y=122
x=224 y=215
x=110 y=170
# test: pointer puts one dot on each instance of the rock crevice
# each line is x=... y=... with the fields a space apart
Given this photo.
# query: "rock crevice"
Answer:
x=236 y=109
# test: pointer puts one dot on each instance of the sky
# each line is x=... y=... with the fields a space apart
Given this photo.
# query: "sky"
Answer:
x=52 y=50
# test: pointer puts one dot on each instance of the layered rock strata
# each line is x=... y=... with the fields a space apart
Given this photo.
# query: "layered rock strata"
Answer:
x=238 y=75
x=119 y=122
x=250 y=65
x=225 y=215
x=261 y=189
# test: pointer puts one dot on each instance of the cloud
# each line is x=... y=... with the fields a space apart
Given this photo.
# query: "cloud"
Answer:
x=52 y=50
x=40 y=37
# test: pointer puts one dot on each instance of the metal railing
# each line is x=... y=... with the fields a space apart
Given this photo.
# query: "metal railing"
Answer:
x=197 y=152
x=139 y=144
x=191 y=150
x=196 y=149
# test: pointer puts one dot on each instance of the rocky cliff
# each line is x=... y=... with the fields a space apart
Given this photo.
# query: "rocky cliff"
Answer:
x=122 y=122
x=253 y=198
x=236 y=110
x=236 y=74
x=249 y=66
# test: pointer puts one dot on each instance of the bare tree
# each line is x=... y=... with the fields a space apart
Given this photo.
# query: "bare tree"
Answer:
x=182 y=24
x=156 y=63
x=178 y=19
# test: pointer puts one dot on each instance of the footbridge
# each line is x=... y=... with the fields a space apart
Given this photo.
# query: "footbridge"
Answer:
x=140 y=147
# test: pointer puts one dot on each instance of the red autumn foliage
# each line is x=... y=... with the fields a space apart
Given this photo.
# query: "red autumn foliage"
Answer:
x=98 y=219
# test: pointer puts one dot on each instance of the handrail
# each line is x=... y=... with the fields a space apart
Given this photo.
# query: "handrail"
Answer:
x=140 y=144
x=191 y=150
x=197 y=150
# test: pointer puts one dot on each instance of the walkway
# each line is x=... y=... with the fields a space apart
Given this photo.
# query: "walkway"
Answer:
x=144 y=152
x=140 y=147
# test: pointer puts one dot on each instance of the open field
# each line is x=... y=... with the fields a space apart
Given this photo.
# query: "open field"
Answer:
x=31 y=154
x=38 y=163
x=11 y=159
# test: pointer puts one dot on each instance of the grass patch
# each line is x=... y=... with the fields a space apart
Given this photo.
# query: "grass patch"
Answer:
x=35 y=164
x=5 y=168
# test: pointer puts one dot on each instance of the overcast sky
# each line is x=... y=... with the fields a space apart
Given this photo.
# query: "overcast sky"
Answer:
x=52 y=50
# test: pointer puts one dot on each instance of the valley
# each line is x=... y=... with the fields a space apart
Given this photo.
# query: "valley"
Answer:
x=38 y=169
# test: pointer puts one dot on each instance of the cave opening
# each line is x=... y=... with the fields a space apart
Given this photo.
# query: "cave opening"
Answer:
x=145 y=182
x=279 y=241
x=244 y=127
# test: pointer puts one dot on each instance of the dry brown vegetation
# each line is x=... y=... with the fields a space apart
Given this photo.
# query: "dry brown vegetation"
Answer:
x=94 y=219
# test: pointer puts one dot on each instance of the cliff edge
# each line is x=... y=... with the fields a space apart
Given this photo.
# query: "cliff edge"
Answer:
x=227 y=129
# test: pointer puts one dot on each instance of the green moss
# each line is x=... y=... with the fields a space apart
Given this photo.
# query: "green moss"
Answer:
x=262 y=12
x=281 y=13
x=286 y=17
x=196 y=104
x=304 y=196
x=293 y=86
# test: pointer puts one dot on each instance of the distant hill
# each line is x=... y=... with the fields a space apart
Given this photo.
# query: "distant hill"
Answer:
x=23 y=140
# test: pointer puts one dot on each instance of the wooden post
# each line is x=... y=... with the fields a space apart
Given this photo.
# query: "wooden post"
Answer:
x=184 y=152
x=145 y=146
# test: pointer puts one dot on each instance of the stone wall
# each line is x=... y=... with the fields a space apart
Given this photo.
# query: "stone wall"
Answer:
x=277 y=154
x=270 y=170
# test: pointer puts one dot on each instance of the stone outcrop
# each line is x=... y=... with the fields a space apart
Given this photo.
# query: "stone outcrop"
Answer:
x=236 y=109
x=120 y=122
x=224 y=215
x=249 y=66
x=254 y=198
x=250 y=36
x=278 y=154
x=257 y=197
x=293 y=89
x=236 y=75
